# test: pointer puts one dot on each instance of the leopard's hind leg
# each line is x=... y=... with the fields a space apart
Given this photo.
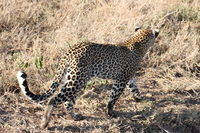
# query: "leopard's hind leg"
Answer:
x=73 y=85
x=60 y=98
x=69 y=105
x=74 y=91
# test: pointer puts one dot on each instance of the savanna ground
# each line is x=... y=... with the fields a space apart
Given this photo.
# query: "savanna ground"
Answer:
x=34 y=34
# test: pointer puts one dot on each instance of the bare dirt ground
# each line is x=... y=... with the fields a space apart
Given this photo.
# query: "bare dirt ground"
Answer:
x=160 y=111
x=34 y=35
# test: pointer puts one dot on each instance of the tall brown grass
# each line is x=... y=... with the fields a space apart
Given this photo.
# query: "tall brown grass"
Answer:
x=31 y=29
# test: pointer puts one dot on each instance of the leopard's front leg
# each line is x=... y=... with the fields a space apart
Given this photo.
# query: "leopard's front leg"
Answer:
x=116 y=91
x=132 y=86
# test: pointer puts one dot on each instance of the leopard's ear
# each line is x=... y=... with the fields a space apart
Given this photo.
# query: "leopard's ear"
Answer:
x=137 y=28
x=156 y=32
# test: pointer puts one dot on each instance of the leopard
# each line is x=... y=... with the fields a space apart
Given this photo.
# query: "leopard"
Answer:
x=117 y=62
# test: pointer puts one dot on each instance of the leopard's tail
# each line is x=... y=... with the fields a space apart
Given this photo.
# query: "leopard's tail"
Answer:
x=21 y=76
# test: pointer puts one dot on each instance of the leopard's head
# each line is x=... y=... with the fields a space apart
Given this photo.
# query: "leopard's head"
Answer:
x=143 y=38
x=145 y=35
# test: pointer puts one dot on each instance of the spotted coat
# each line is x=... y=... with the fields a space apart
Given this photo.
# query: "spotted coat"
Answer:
x=86 y=60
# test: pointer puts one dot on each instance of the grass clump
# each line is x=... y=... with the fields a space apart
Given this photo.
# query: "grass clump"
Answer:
x=189 y=14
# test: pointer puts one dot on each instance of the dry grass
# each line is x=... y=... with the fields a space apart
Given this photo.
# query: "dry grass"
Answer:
x=33 y=35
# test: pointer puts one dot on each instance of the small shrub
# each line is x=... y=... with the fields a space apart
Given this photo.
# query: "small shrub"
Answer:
x=188 y=14
x=38 y=62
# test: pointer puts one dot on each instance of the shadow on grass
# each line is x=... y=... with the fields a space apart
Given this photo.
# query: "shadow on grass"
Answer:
x=162 y=112
x=168 y=113
x=81 y=129
x=121 y=117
